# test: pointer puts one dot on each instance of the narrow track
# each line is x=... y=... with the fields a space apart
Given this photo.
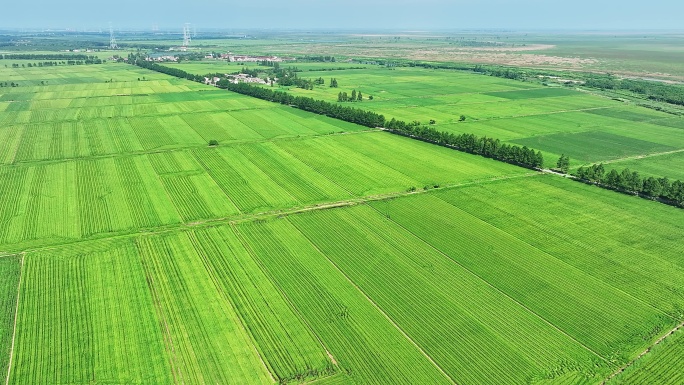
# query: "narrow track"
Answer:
x=16 y=315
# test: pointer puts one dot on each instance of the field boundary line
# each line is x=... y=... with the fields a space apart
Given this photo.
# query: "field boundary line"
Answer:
x=491 y=285
x=172 y=227
x=16 y=316
x=642 y=354
x=403 y=333
x=636 y=157
x=31 y=162
x=292 y=306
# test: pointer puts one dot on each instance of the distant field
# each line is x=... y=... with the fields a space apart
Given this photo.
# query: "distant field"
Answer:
x=671 y=165
x=556 y=121
x=303 y=249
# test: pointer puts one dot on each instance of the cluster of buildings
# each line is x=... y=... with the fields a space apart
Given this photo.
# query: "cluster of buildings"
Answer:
x=239 y=78
x=254 y=59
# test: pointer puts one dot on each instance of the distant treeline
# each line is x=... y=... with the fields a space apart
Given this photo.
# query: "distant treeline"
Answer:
x=630 y=182
x=333 y=110
x=52 y=56
x=179 y=73
x=319 y=59
x=336 y=69
x=661 y=92
x=54 y=63
x=487 y=147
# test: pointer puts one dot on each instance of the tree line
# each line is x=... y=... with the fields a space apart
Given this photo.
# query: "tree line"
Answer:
x=661 y=92
x=355 y=97
x=51 y=57
x=630 y=182
x=333 y=110
x=470 y=143
x=627 y=181
x=488 y=147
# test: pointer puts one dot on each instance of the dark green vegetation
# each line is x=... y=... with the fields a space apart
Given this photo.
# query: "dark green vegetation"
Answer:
x=304 y=248
x=630 y=182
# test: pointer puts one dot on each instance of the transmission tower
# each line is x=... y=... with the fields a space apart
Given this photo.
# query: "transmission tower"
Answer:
x=112 y=40
x=186 y=35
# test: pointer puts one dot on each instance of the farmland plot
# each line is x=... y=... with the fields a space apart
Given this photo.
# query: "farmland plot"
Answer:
x=454 y=315
x=350 y=327
x=561 y=294
x=96 y=325
x=554 y=120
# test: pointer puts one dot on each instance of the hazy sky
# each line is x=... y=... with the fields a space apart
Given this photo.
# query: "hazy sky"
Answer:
x=347 y=14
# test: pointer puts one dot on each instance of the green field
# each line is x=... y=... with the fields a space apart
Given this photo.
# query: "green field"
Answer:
x=671 y=165
x=554 y=120
x=305 y=249
x=662 y=365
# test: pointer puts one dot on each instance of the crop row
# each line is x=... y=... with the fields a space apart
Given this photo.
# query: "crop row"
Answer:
x=636 y=255
x=457 y=318
x=353 y=331
x=588 y=310
x=96 y=325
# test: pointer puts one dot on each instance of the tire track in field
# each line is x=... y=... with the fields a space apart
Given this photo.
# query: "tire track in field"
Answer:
x=642 y=354
x=16 y=315
x=389 y=319
x=230 y=302
x=287 y=299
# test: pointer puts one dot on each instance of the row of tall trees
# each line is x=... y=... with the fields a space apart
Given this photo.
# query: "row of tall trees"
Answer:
x=139 y=60
x=630 y=182
x=334 y=110
x=355 y=97
x=488 y=147
x=51 y=56
x=669 y=93
x=313 y=58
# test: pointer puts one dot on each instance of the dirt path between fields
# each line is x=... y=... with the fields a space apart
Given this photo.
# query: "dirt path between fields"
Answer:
x=645 y=352
x=643 y=156
x=235 y=219
x=16 y=315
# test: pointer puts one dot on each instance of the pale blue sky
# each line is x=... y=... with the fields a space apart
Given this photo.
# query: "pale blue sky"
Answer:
x=348 y=14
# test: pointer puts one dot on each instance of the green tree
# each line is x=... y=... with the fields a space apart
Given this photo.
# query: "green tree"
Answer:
x=359 y=97
x=563 y=164
x=353 y=96
x=652 y=187
x=613 y=179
